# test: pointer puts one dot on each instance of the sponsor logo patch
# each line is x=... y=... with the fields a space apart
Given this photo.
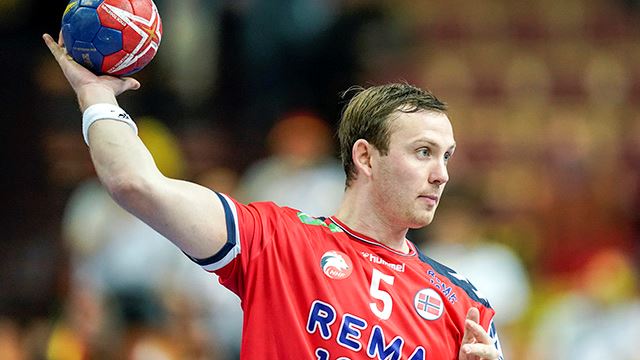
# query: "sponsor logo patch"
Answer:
x=428 y=304
x=336 y=265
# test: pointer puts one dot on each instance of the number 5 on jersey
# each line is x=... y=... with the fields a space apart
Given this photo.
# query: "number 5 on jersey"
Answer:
x=379 y=294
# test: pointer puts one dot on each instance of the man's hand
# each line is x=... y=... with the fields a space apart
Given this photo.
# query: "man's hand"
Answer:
x=476 y=342
x=91 y=89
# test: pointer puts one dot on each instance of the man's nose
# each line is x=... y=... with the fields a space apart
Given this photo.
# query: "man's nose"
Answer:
x=439 y=174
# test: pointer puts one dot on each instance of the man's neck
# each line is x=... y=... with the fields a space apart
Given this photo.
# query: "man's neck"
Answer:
x=360 y=215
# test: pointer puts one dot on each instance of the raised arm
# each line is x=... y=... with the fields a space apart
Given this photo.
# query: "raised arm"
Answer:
x=189 y=215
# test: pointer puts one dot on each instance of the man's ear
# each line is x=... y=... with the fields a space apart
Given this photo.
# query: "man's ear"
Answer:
x=361 y=153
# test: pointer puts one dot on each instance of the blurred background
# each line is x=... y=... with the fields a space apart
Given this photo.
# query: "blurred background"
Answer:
x=542 y=212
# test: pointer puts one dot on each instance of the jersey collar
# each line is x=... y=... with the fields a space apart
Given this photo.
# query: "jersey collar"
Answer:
x=364 y=238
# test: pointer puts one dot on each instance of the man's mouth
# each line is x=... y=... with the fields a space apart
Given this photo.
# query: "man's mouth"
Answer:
x=431 y=199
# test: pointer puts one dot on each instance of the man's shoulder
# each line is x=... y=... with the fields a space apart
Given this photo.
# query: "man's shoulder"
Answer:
x=443 y=273
x=291 y=219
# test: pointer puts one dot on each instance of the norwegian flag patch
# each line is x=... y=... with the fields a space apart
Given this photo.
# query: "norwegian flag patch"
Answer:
x=428 y=304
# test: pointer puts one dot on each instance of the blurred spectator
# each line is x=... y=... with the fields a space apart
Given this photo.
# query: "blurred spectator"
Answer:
x=448 y=75
x=575 y=221
x=83 y=329
x=596 y=316
x=527 y=80
x=206 y=147
x=279 y=45
x=221 y=179
x=607 y=80
x=629 y=195
x=190 y=48
x=10 y=341
x=301 y=171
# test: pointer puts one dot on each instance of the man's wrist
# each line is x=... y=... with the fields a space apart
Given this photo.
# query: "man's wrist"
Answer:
x=104 y=111
x=92 y=94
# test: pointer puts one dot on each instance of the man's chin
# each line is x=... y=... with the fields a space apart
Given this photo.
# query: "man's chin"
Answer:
x=422 y=221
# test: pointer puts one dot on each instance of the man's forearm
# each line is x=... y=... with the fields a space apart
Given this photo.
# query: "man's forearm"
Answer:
x=117 y=153
x=119 y=157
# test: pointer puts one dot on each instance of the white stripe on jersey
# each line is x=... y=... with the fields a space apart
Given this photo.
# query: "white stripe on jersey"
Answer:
x=235 y=250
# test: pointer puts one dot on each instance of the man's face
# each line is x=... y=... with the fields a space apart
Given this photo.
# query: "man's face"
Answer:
x=409 y=180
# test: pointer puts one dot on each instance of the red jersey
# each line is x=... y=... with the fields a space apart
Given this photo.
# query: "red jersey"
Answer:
x=311 y=288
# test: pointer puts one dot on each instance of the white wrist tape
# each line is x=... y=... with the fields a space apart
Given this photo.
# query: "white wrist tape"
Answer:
x=104 y=112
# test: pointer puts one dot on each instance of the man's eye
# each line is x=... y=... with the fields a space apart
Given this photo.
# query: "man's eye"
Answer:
x=447 y=156
x=424 y=152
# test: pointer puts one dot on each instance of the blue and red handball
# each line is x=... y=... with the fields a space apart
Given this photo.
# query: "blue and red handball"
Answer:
x=114 y=37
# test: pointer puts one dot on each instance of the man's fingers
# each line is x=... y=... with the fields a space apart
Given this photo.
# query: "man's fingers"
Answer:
x=50 y=43
x=477 y=332
x=484 y=351
x=131 y=83
x=120 y=85
x=476 y=341
x=473 y=315
x=58 y=51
